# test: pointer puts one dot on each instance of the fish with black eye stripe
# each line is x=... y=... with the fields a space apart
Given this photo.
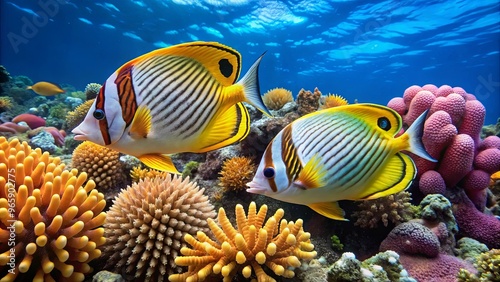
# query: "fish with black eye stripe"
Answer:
x=183 y=98
x=343 y=153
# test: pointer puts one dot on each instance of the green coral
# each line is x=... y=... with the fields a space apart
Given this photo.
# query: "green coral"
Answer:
x=488 y=268
x=336 y=244
x=58 y=111
x=437 y=208
x=189 y=169
x=78 y=94
x=469 y=249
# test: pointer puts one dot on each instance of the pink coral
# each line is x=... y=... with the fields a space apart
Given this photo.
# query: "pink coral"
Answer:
x=13 y=128
x=57 y=134
x=452 y=136
x=32 y=120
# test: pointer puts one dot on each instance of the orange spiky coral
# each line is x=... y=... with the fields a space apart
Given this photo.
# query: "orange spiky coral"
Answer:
x=137 y=173
x=236 y=173
x=74 y=118
x=333 y=100
x=49 y=221
x=276 y=98
x=279 y=245
x=100 y=163
x=147 y=222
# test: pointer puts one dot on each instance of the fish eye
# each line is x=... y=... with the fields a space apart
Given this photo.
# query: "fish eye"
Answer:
x=384 y=123
x=98 y=114
x=225 y=67
x=269 y=172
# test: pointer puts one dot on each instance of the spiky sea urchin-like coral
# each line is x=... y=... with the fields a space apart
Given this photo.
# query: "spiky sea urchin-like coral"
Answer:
x=279 y=245
x=147 y=222
x=276 y=98
x=100 y=163
x=49 y=220
x=74 y=118
x=236 y=173
x=333 y=100
x=137 y=173
x=91 y=90
x=395 y=208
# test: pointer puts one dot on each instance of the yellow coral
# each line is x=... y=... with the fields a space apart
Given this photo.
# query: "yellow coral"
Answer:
x=333 y=100
x=74 y=118
x=100 y=163
x=137 y=173
x=495 y=183
x=49 y=221
x=277 y=244
x=236 y=173
x=147 y=222
x=488 y=268
x=5 y=103
x=276 y=98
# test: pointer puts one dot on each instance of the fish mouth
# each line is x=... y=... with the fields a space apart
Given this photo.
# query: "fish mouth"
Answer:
x=79 y=134
x=254 y=188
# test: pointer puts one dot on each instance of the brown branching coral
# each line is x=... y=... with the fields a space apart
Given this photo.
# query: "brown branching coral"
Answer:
x=307 y=102
x=49 y=220
x=74 y=118
x=276 y=98
x=236 y=173
x=395 y=208
x=333 y=100
x=100 y=163
x=277 y=244
x=137 y=173
x=147 y=222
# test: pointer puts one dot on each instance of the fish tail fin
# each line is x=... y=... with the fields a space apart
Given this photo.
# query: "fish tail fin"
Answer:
x=232 y=126
x=415 y=133
x=29 y=88
x=250 y=83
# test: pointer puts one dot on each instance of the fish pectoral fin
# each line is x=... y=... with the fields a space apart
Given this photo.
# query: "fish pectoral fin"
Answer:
x=159 y=162
x=396 y=177
x=329 y=209
x=141 y=124
x=230 y=127
x=313 y=174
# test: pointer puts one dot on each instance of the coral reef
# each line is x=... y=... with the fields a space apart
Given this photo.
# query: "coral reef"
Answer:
x=452 y=136
x=91 y=90
x=307 y=101
x=190 y=169
x=488 y=266
x=49 y=220
x=277 y=244
x=491 y=129
x=395 y=208
x=138 y=173
x=74 y=118
x=13 y=128
x=332 y=100
x=276 y=98
x=236 y=173
x=100 y=163
x=145 y=226
x=32 y=120
x=383 y=266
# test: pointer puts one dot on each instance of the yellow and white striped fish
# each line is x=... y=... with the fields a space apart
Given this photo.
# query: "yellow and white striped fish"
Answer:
x=343 y=153
x=182 y=98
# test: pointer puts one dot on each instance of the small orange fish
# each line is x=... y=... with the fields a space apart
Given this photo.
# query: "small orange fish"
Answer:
x=46 y=88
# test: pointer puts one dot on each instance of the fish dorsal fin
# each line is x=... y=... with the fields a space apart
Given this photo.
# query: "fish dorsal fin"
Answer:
x=223 y=62
x=395 y=177
x=231 y=126
x=141 y=124
x=329 y=209
x=384 y=119
x=313 y=174
x=159 y=162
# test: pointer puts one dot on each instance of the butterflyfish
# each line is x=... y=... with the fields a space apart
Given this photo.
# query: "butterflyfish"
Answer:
x=46 y=88
x=348 y=152
x=182 y=98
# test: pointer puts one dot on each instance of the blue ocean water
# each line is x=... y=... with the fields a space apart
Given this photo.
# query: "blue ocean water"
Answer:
x=369 y=51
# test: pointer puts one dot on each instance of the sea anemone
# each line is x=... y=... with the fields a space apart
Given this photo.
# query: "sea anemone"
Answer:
x=74 y=118
x=145 y=226
x=278 y=245
x=333 y=100
x=100 y=163
x=5 y=103
x=49 y=220
x=236 y=173
x=276 y=98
